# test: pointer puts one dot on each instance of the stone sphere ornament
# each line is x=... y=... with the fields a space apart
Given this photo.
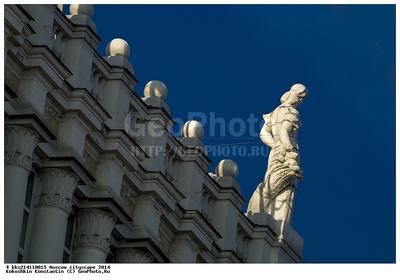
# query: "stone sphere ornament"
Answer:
x=193 y=129
x=81 y=9
x=119 y=47
x=227 y=167
x=156 y=88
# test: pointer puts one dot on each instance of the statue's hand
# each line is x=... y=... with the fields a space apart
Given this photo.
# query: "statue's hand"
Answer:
x=276 y=144
x=288 y=147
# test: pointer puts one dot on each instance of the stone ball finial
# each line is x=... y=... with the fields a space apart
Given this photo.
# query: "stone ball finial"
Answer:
x=192 y=129
x=119 y=47
x=156 y=88
x=227 y=167
x=81 y=9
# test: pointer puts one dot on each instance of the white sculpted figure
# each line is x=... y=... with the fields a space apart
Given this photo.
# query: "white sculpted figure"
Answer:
x=275 y=194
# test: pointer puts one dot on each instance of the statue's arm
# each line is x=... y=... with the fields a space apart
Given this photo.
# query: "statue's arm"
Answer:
x=284 y=133
x=266 y=135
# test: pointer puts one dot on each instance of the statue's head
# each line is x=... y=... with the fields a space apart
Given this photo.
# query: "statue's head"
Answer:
x=295 y=95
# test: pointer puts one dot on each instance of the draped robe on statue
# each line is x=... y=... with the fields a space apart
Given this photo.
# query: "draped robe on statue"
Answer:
x=275 y=195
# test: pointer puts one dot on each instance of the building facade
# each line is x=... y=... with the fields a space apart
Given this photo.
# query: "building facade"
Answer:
x=93 y=173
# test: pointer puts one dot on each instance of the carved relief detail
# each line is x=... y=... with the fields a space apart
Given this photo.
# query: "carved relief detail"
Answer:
x=58 y=185
x=94 y=229
x=133 y=255
x=19 y=145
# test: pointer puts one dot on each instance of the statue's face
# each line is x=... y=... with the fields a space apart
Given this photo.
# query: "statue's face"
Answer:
x=297 y=98
x=293 y=99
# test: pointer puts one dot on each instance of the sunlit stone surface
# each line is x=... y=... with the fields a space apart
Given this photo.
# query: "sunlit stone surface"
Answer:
x=93 y=173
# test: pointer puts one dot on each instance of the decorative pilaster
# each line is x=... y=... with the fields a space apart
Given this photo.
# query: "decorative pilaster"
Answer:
x=79 y=50
x=19 y=143
x=117 y=92
x=53 y=209
x=226 y=216
x=92 y=237
x=146 y=214
x=133 y=255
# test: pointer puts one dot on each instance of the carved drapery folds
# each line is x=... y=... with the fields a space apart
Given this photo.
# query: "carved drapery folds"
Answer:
x=133 y=255
x=94 y=229
x=275 y=194
x=19 y=145
x=283 y=172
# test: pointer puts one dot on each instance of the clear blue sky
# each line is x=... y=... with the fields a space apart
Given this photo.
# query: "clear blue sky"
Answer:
x=238 y=60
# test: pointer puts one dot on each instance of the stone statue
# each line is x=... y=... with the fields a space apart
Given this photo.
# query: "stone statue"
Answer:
x=275 y=194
